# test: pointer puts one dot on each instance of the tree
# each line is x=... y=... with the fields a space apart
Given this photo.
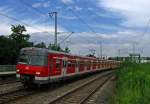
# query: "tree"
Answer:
x=8 y=51
x=10 y=46
x=67 y=50
x=58 y=48
x=40 y=45
x=18 y=35
x=55 y=47
x=91 y=55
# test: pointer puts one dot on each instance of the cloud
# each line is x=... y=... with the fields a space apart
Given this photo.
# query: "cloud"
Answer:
x=77 y=8
x=42 y=28
x=41 y=4
x=67 y=1
x=91 y=9
x=108 y=27
x=32 y=25
x=80 y=43
x=135 y=12
x=67 y=17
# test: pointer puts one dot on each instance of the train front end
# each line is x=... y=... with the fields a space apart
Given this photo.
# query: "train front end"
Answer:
x=32 y=66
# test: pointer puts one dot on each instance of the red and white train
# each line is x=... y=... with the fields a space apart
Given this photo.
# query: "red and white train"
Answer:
x=42 y=66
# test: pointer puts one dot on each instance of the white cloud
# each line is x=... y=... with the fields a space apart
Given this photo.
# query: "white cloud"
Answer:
x=135 y=12
x=32 y=27
x=108 y=27
x=67 y=17
x=36 y=5
x=41 y=4
x=77 y=8
x=67 y=1
x=89 y=8
x=41 y=28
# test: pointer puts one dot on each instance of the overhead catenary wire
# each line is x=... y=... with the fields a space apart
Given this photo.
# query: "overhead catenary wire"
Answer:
x=19 y=21
x=38 y=11
x=81 y=20
x=66 y=38
x=30 y=6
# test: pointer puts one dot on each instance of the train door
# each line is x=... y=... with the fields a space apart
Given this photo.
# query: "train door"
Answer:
x=50 y=65
x=64 y=64
x=77 y=66
x=55 y=64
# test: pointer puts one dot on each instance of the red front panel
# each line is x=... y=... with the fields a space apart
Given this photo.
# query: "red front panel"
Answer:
x=32 y=70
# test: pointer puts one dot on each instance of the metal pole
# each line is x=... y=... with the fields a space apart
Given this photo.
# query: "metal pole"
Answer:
x=55 y=38
x=55 y=42
x=101 y=50
x=118 y=52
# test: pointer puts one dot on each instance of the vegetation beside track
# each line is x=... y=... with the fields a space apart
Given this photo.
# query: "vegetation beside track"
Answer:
x=133 y=84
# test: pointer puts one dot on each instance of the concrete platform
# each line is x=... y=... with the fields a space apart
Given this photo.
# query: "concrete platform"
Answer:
x=7 y=73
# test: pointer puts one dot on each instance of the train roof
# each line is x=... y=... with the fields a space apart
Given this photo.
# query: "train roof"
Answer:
x=44 y=51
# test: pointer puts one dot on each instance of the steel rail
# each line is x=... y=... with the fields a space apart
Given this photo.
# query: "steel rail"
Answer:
x=14 y=95
x=60 y=98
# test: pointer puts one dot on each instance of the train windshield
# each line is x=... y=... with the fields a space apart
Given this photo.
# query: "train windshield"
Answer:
x=33 y=60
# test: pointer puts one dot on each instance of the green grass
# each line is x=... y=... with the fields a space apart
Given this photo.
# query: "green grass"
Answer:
x=133 y=84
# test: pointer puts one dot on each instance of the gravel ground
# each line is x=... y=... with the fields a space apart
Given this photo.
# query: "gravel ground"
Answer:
x=104 y=94
x=10 y=87
x=46 y=96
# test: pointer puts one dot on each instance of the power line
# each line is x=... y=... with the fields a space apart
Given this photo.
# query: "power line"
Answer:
x=81 y=20
x=39 y=12
x=17 y=20
x=92 y=12
x=35 y=9
x=146 y=29
x=66 y=38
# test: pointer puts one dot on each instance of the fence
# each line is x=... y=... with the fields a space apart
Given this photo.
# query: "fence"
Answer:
x=4 y=68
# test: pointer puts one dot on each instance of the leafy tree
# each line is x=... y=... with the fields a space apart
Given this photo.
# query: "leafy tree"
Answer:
x=67 y=50
x=58 y=48
x=55 y=47
x=18 y=35
x=10 y=46
x=91 y=55
x=40 y=45
x=8 y=50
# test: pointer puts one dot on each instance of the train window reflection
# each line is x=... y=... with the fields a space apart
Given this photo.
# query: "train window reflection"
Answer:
x=33 y=60
x=58 y=62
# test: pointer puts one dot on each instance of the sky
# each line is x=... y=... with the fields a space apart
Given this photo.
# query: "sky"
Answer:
x=119 y=25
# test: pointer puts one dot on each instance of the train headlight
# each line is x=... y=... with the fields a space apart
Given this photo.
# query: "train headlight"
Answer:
x=38 y=73
x=17 y=70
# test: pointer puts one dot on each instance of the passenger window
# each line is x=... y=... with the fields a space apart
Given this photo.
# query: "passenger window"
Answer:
x=58 y=63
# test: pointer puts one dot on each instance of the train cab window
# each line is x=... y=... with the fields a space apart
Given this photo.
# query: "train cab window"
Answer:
x=58 y=63
x=33 y=60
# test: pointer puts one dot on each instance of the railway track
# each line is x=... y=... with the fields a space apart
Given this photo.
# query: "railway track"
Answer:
x=14 y=95
x=80 y=94
x=22 y=92
x=7 y=79
x=7 y=82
